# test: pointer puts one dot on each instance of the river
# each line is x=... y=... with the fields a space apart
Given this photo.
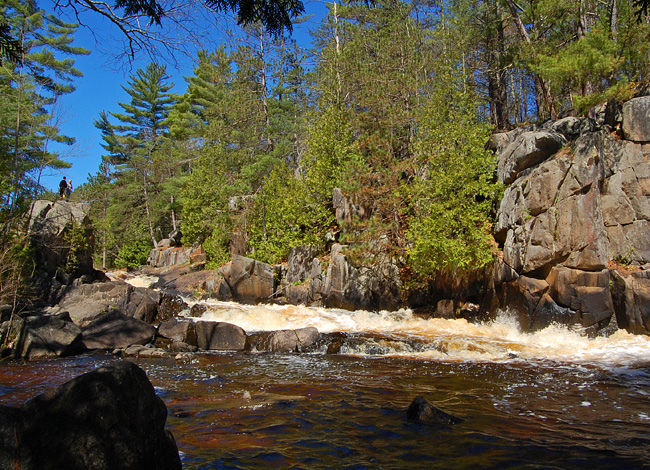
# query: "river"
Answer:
x=552 y=399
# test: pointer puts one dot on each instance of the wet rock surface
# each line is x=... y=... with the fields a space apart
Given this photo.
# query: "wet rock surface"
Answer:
x=420 y=411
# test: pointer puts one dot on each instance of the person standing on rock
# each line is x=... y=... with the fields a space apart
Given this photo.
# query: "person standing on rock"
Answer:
x=68 y=189
x=63 y=188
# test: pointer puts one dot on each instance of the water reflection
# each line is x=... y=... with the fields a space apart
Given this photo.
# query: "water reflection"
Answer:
x=553 y=399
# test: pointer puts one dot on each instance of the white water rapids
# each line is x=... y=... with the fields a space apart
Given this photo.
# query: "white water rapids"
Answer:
x=403 y=333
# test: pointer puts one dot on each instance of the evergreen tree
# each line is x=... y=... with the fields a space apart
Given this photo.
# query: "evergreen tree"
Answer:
x=135 y=150
x=31 y=87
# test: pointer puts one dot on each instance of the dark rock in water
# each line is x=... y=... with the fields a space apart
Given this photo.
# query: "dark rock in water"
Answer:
x=116 y=331
x=420 y=411
x=107 y=419
x=283 y=340
x=170 y=306
x=223 y=291
x=220 y=336
x=44 y=336
x=198 y=310
x=179 y=330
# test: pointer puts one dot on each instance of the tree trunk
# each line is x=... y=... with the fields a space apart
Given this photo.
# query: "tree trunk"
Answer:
x=613 y=19
x=540 y=82
x=171 y=200
x=265 y=103
x=496 y=73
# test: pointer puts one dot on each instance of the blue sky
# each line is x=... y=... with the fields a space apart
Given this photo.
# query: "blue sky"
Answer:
x=101 y=89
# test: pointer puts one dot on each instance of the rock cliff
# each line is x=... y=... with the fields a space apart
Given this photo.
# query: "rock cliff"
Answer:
x=574 y=222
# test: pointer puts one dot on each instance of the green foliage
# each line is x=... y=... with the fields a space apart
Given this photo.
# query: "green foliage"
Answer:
x=285 y=215
x=332 y=155
x=135 y=193
x=453 y=193
x=16 y=263
x=77 y=240
x=133 y=254
x=216 y=246
x=30 y=87
x=590 y=60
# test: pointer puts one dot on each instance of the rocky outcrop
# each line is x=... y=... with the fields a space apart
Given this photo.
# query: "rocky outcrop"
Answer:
x=636 y=119
x=38 y=336
x=250 y=281
x=49 y=225
x=631 y=299
x=63 y=243
x=166 y=255
x=110 y=418
x=578 y=199
x=375 y=286
x=115 y=330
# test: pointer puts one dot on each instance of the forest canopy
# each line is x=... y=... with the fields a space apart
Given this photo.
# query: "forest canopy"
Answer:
x=391 y=106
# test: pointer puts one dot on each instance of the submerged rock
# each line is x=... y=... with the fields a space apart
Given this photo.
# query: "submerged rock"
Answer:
x=420 y=411
x=110 y=418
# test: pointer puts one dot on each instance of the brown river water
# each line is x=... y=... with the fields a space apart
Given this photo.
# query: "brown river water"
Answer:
x=554 y=399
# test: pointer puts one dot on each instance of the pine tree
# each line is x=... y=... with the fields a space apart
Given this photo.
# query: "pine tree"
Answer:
x=31 y=87
x=135 y=150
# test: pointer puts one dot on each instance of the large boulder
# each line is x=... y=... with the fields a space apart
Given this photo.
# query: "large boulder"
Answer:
x=179 y=330
x=86 y=302
x=108 y=419
x=250 y=281
x=636 y=119
x=115 y=330
x=220 y=336
x=283 y=340
x=527 y=150
x=41 y=336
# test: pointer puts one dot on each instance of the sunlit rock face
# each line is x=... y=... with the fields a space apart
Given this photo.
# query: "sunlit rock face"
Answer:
x=62 y=238
x=568 y=220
